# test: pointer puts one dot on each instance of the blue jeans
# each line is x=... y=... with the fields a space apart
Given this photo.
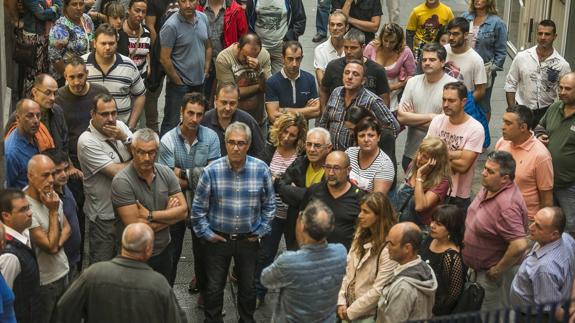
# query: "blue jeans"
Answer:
x=565 y=198
x=174 y=95
x=485 y=102
x=321 y=16
x=218 y=258
x=268 y=251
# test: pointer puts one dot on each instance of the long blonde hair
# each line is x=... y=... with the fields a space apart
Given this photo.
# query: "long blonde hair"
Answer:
x=437 y=149
x=491 y=7
x=379 y=204
x=285 y=121
x=390 y=29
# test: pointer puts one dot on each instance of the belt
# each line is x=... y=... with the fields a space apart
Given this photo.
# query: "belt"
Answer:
x=235 y=236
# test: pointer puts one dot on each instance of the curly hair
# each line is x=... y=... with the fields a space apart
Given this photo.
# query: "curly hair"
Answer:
x=285 y=121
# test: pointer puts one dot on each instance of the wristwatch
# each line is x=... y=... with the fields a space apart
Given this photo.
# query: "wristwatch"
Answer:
x=150 y=216
x=128 y=140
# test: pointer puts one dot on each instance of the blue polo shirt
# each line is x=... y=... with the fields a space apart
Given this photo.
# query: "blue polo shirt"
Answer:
x=18 y=151
x=291 y=93
x=176 y=152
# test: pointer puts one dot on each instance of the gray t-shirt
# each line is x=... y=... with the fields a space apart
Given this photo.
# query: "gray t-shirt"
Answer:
x=52 y=267
x=271 y=22
x=188 y=44
x=94 y=154
x=128 y=187
x=426 y=98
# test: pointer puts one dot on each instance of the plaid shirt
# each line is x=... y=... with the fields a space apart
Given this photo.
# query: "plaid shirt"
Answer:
x=176 y=152
x=333 y=116
x=234 y=202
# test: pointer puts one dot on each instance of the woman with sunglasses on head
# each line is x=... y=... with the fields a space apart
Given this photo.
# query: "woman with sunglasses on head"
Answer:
x=287 y=136
x=389 y=51
x=369 y=267
x=442 y=251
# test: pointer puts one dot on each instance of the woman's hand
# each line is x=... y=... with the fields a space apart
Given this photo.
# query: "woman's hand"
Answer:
x=424 y=170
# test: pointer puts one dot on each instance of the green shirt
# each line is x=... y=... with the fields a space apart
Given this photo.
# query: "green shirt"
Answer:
x=561 y=145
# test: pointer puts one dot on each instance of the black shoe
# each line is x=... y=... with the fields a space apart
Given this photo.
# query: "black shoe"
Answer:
x=318 y=38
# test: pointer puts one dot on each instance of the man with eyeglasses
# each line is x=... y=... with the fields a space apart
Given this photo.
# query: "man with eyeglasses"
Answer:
x=340 y=195
x=305 y=171
x=149 y=192
x=226 y=112
x=232 y=209
x=103 y=150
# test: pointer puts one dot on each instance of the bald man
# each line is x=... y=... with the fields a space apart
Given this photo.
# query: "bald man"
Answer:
x=557 y=130
x=20 y=144
x=48 y=232
x=341 y=196
x=124 y=289
x=411 y=293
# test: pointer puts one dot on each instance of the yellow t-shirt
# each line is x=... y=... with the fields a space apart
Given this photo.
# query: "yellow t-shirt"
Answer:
x=312 y=176
x=426 y=22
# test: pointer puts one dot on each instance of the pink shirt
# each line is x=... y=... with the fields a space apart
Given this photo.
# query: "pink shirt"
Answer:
x=491 y=224
x=466 y=136
x=533 y=172
x=403 y=67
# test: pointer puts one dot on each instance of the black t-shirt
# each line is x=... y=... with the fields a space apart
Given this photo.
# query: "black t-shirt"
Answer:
x=77 y=115
x=376 y=78
x=162 y=10
x=361 y=10
x=345 y=210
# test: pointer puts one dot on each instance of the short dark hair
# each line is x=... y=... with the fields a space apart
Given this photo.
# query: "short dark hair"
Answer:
x=75 y=60
x=365 y=124
x=355 y=114
x=114 y=9
x=452 y=218
x=249 y=38
x=559 y=220
x=104 y=97
x=317 y=228
x=548 y=23
x=194 y=98
x=411 y=235
x=524 y=114
x=132 y=2
x=436 y=48
x=460 y=23
x=293 y=45
x=41 y=78
x=505 y=161
x=106 y=29
x=57 y=155
x=228 y=86
x=459 y=87
x=358 y=62
x=7 y=196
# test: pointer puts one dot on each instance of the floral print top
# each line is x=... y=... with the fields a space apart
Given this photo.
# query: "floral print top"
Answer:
x=68 y=39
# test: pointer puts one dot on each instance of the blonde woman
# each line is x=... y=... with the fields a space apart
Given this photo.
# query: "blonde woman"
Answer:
x=426 y=184
x=368 y=265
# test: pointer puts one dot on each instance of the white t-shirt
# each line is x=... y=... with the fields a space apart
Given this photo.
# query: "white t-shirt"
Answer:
x=471 y=66
x=381 y=168
x=271 y=22
x=466 y=136
x=426 y=98
x=325 y=53
x=52 y=267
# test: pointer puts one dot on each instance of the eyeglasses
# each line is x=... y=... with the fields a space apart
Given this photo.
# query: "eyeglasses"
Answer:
x=107 y=114
x=240 y=144
x=47 y=92
x=143 y=153
x=335 y=168
x=314 y=145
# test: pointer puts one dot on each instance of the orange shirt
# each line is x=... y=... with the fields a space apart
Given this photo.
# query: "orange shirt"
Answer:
x=533 y=172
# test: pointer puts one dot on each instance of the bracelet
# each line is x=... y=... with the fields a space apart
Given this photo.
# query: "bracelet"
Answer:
x=419 y=179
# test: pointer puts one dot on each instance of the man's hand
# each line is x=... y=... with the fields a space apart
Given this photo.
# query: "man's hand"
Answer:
x=172 y=203
x=493 y=274
x=314 y=105
x=75 y=173
x=253 y=239
x=217 y=238
x=253 y=63
x=342 y=312
x=51 y=200
x=115 y=132
x=143 y=212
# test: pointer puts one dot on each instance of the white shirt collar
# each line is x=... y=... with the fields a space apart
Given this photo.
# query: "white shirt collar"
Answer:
x=286 y=77
x=23 y=237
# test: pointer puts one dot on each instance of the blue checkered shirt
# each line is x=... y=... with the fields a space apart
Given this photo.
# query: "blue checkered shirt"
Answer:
x=234 y=202
x=175 y=152
x=333 y=116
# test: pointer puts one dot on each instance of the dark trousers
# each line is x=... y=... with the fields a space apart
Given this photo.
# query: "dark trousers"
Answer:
x=177 y=232
x=77 y=188
x=244 y=253
x=162 y=263
x=174 y=95
x=270 y=244
x=198 y=250
x=537 y=115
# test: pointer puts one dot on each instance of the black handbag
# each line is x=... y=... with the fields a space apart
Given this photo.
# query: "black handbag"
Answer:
x=471 y=298
x=23 y=54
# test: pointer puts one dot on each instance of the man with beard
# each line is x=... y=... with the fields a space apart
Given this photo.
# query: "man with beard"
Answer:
x=340 y=195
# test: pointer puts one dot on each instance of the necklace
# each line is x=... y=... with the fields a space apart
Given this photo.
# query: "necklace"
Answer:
x=132 y=32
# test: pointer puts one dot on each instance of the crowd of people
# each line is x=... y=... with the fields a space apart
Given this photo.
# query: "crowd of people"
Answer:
x=251 y=148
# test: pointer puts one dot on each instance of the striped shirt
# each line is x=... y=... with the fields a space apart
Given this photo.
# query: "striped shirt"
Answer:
x=137 y=49
x=234 y=202
x=380 y=168
x=333 y=116
x=278 y=167
x=546 y=274
x=123 y=81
